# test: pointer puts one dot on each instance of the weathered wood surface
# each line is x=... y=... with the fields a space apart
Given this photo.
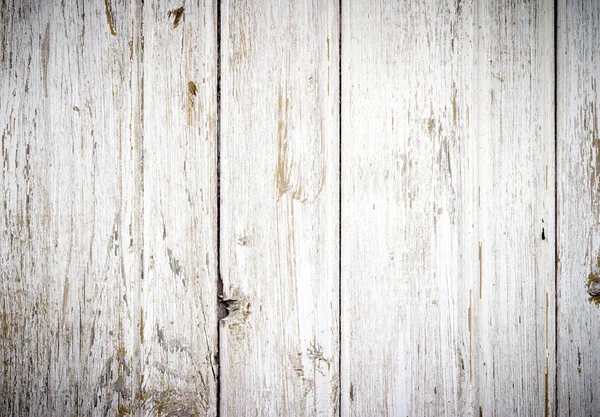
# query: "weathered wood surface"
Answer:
x=113 y=230
x=447 y=208
x=578 y=187
x=279 y=208
x=179 y=356
x=70 y=245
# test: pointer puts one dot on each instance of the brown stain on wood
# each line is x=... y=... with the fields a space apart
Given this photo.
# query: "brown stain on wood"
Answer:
x=172 y=402
x=141 y=325
x=242 y=45
x=593 y=281
x=239 y=310
x=282 y=175
x=131 y=41
x=45 y=58
x=430 y=125
x=177 y=14
x=191 y=97
x=589 y=117
x=192 y=90
x=109 y=17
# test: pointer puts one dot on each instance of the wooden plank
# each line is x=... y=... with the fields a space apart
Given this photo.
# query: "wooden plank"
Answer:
x=578 y=190
x=179 y=291
x=447 y=208
x=279 y=208
x=69 y=243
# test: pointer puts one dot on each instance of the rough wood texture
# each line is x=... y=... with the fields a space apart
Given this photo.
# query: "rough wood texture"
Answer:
x=179 y=292
x=69 y=247
x=578 y=185
x=279 y=208
x=447 y=208
x=109 y=248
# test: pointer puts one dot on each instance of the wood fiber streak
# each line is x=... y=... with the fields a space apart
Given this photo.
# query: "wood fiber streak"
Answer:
x=279 y=208
x=578 y=187
x=447 y=208
x=70 y=232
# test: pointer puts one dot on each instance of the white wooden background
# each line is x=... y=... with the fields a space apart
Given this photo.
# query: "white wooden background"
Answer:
x=307 y=208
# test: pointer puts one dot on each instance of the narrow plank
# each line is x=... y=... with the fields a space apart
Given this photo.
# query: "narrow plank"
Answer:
x=279 y=208
x=69 y=249
x=578 y=185
x=179 y=291
x=447 y=166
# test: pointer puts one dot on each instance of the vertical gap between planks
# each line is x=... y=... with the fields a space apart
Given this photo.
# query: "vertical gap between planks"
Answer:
x=220 y=312
x=556 y=207
x=339 y=399
x=139 y=40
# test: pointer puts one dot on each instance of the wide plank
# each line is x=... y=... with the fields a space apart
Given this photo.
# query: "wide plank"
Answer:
x=578 y=191
x=179 y=304
x=279 y=208
x=447 y=276
x=70 y=247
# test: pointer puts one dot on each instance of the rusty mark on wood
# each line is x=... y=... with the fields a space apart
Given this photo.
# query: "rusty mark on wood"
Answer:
x=177 y=14
x=109 y=17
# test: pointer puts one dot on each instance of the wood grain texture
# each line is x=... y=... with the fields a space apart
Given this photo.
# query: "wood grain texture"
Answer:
x=69 y=244
x=447 y=208
x=279 y=208
x=578 y=207
x=179 y=291
x=109 y=248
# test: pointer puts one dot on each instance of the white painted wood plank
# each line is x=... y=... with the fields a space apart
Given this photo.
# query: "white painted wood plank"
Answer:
x=179 y=292
x=279 y=208
x=69 y=248
x=447 y=166
x=578 y=185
